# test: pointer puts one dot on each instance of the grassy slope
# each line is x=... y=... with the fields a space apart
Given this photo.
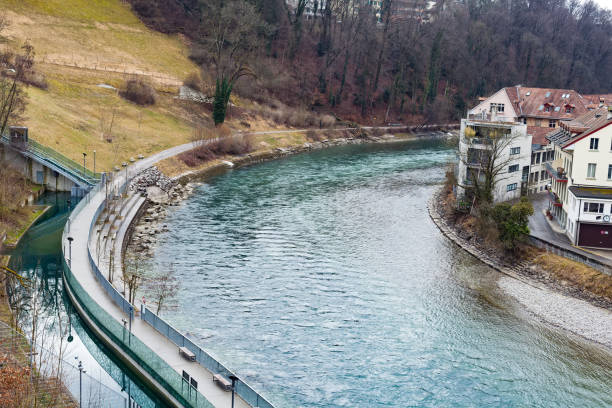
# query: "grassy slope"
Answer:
x=103 y=39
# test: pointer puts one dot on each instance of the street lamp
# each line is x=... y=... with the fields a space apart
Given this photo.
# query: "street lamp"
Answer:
x=81 y=371
x=70 y=239
x=124 y=328
x=84 y=156
x=234 y=379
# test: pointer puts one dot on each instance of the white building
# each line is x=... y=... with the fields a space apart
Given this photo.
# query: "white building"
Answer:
x=514 y=155
x=581 y=188
x=542 y=110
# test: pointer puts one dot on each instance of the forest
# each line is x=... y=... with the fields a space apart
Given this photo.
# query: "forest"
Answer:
x=403 y=65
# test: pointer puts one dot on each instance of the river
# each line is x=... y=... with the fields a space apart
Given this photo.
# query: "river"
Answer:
x=322 y=281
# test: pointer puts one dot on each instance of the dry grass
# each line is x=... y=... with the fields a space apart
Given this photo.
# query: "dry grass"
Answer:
x=103 y=39
x=576 y=274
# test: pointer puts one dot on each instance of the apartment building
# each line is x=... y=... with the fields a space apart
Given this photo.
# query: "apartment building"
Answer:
x=581 y=174
x=541 y=110
x=482 y=138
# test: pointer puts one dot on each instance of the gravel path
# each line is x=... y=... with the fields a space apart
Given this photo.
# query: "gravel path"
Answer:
x=568 y=313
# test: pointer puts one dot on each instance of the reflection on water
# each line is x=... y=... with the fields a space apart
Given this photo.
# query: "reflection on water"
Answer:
x=45 y=310
x=321 y=279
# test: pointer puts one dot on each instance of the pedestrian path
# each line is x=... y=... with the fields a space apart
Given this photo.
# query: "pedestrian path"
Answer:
x=79 y=229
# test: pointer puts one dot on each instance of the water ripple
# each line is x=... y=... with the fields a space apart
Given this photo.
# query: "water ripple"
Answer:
x=321 y=280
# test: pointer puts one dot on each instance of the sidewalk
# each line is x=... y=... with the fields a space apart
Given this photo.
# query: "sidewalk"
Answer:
x=543 y=229
x=168 y=351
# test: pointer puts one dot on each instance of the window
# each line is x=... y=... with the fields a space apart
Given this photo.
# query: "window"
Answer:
x=511 y=187
x=609 y=171
x=538 y=122
x=593 y=207
x=543 y=175
x=591 y=170
x=547 y=95
x=552 y=123
x=515 y=150
x=515 y=167
x=594 y=145
x=537 y=158
x=569 y=109
x=497 y=107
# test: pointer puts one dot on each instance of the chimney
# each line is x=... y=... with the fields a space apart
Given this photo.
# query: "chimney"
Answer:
x=609 y=112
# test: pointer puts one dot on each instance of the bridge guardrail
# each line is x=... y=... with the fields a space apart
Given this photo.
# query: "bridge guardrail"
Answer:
x=47 y=154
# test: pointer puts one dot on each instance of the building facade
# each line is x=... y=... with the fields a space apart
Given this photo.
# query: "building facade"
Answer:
x=542 y=110
x=508 y=142
x=581 y=188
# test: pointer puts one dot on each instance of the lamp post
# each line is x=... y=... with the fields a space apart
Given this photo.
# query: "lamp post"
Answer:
x=233 y=378
x=84 y=156
x=70 y=239
x=81 y=371
x=124 y=328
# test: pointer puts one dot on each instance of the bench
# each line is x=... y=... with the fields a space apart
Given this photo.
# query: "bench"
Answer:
x=222 y=382
x=186 y=353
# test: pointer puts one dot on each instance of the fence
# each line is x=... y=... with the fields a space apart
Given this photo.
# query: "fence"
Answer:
x=602 y=265
x=247 y=393
x=54 y=380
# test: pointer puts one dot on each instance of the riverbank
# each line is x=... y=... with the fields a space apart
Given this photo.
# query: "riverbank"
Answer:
x=177 y=180
x=550 y=301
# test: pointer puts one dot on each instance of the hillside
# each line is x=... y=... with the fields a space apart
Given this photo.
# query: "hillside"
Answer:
x=81 y=45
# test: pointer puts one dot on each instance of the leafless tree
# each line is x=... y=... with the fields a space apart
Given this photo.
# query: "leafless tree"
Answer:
x=163 y=287
x=133 y=274
x=486 y=159
x=12 y=96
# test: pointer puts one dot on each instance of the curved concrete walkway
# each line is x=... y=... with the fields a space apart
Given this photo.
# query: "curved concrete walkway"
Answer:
x=82 y=271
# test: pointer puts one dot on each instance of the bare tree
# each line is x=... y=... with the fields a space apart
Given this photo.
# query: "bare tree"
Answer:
x=107 y=121
x=164 y=286
x=486 y=160
x=232 y=35
x=12 y=95
x=133 y=274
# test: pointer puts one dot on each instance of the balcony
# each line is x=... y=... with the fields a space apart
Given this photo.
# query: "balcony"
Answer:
x=491 y=117
x=558 y=174
x=554 y=199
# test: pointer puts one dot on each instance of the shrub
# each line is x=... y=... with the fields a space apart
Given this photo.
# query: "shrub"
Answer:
x=139 y=92
x=328 y=121
x=36 y=79
x=512 y=222
x=230 y=145
x=313 y=136
x=194 y=81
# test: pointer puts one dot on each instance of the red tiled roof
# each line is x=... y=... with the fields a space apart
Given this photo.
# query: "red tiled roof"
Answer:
x=528 y=101
x=596 y=99
x=587 y=124
x=538 y=134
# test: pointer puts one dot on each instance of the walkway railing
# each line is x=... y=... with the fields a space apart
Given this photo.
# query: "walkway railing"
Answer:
x=245 y=391
x=46 y=154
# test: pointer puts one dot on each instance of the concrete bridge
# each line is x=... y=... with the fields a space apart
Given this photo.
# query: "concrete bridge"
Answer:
x=43 y=165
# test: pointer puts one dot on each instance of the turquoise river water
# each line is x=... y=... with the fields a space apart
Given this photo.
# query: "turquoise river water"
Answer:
x=321 y=280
